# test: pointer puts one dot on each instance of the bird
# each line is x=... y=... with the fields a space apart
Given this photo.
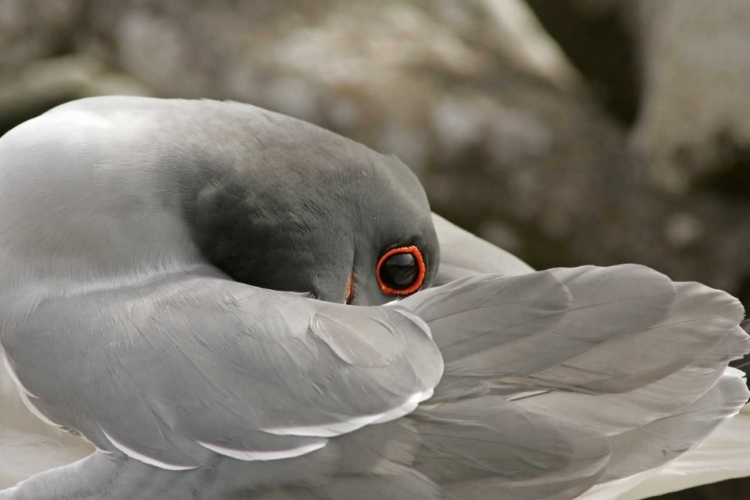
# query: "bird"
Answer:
x=209 y=300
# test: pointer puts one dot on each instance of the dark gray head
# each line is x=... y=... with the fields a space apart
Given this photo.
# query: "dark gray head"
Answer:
x=298 y=208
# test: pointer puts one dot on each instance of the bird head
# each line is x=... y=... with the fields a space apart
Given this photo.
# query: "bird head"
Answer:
x=297 y=208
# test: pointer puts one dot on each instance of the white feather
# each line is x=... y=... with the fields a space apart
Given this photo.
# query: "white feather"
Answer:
x=249 y=455
x=724 y=455
x=28 y=445
x=351 y=425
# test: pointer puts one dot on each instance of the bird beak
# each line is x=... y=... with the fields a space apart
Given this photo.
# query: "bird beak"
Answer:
x=350 y=290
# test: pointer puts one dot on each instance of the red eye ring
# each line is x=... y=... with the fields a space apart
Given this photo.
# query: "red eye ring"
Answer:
x=421 y=270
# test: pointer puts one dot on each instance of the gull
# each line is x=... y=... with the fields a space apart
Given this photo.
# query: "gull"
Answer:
x=222 y=302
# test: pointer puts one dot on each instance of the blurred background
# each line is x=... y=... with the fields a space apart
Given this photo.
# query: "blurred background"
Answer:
x=568 y=132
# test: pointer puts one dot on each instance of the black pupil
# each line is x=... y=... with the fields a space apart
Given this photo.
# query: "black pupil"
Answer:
x=399 y=270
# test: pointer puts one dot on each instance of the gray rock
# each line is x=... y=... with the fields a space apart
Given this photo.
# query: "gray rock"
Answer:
x=696 y=74
x=32 y=29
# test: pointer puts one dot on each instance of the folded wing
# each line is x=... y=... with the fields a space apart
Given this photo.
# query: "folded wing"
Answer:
x=623 y=353
x=176 y=371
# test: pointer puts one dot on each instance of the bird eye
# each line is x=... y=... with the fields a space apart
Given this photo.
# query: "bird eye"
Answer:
x=401 y=271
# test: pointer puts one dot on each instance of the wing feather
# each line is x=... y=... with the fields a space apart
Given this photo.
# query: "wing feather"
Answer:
x=177 y=371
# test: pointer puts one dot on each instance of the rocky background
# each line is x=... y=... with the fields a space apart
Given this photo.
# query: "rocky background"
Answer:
x=565 y=131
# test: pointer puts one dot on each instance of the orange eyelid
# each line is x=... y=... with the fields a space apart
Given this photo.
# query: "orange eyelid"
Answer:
x=420 y=277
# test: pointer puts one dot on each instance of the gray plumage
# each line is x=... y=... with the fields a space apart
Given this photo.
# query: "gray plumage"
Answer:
x=203 y=363
x=138 y=244
x=269 y=200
